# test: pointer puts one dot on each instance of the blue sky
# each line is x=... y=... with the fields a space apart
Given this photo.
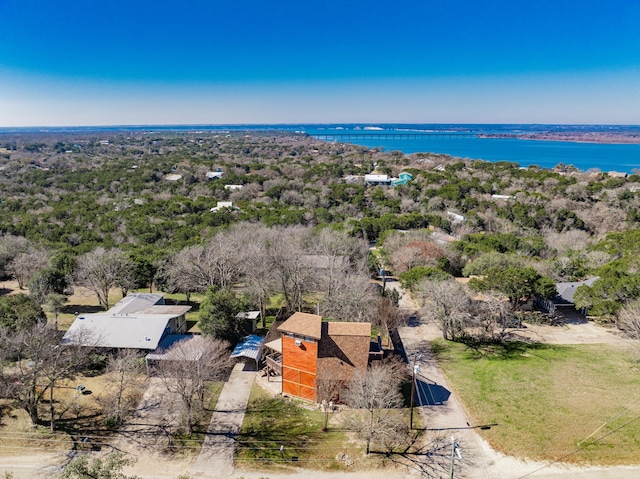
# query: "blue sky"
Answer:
x=101 y=62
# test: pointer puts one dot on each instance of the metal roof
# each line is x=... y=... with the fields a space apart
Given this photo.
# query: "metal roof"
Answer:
x=179 y=347
x=118 y=331
x=134 y=302
x=138 y=321
x=249 y=347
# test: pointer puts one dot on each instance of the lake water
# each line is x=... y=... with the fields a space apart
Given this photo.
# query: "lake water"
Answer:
x=546 y=154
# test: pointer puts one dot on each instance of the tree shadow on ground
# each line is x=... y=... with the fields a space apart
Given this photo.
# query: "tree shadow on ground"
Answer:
x=499 y=348
x=85 y=431
x=81 y=309
x=195 y=306
x=275 y=423
x=430 y=458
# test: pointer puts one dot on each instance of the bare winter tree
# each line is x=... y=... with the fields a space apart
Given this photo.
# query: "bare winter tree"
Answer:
x=258 y=275
x=375 y=394
x=224 y=258
x=285 y=251
x=10 y=247
x=38 y=360
x=217 y=263
x=628 y=319
x=403 y=251
x=101 y=270
x=352 y=297
x=447 y=303
x=387 y=313
x=189 y=365
x=492 y=316
x=25 y=265
x=126 y=371
x=342 y=275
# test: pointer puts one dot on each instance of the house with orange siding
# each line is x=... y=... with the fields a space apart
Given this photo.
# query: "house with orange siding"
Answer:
x=314 y=352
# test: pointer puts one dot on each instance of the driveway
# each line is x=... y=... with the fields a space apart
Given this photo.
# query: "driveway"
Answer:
x=217 y=452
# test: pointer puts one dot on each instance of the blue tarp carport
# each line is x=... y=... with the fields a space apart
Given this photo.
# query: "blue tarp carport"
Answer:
x=249 y=347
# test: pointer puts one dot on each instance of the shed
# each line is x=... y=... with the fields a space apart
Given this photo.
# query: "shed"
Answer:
x=250 y=347
x=250 y=318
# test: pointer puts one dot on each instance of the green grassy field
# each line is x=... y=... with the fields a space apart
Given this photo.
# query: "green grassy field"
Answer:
x=547 y=400
x=273 y=422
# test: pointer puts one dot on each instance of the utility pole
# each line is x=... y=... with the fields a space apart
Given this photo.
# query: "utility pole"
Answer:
x=414 y=371
x=454 y=452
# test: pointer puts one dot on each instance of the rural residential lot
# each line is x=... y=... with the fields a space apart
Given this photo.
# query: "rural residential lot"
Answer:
x=410 y=314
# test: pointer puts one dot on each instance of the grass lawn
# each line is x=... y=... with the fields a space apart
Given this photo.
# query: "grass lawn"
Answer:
x=548 y=399
x=271 y=422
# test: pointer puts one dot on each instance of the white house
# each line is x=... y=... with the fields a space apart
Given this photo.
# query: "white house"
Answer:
x=138 y=321
x=377 y=179
x=455 y=217
x=220 y=205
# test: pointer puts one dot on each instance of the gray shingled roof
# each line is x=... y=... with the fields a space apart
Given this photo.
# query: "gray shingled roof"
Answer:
x=566 y=291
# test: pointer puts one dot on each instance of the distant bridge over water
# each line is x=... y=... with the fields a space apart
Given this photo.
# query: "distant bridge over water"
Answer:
x=369 y=135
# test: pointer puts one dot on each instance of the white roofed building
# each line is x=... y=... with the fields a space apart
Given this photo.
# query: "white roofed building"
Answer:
x=138 y=321
x=377 y=179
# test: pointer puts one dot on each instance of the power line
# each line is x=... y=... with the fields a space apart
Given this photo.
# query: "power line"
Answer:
x=581 y=448
x=612 y=418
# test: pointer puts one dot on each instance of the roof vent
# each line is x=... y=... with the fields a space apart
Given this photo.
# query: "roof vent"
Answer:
x=298 y=342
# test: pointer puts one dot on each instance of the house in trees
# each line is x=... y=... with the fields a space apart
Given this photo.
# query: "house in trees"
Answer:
x=138 y=321
x=377 y=180
x=312 y=354
x=564 y=300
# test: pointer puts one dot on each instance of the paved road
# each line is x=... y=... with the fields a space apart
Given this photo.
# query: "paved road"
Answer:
x=216 y=455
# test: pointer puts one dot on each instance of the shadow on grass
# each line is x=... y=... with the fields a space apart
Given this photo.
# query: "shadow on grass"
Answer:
x=491 y=348
x=272 y=423
x=81 y=428
x=195 y=305
x=500 y=348
x=81 y=309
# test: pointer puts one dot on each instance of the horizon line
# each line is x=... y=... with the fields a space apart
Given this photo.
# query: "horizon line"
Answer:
x=165 y=125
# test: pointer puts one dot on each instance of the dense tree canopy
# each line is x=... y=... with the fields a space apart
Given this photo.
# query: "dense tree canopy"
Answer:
x=19 y=312
x=71 y=193
x=218 y=315
x=517 y=284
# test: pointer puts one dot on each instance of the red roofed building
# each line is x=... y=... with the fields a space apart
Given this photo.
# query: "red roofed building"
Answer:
x=313 y=351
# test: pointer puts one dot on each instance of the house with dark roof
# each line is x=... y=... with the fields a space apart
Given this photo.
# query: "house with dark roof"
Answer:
x=311 y=352
x=564 y=299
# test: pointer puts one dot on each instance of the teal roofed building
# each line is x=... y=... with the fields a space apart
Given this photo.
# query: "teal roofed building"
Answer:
x=403 y=179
